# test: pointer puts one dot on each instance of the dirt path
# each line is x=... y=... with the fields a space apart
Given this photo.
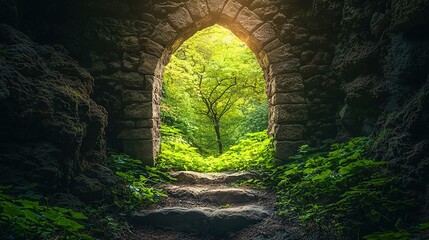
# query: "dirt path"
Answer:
x=211 y=206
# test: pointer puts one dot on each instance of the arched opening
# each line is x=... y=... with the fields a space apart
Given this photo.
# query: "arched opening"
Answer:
x=214 y=95
x=284 y=83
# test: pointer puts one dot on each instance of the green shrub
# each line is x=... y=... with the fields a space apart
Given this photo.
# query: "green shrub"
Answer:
x=22 y=218
x=342 y=191
x=140 y=182
x=253 y=152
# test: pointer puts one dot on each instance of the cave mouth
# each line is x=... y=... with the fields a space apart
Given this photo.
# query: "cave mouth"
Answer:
x=213 y=96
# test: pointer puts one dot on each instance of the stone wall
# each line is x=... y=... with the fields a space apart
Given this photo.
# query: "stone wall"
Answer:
x=126 y=45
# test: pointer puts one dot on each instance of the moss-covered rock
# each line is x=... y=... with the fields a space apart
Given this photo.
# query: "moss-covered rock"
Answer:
x=50 y=129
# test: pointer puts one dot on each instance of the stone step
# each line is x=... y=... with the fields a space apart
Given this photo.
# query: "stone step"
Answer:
x=214 y=194
x=202 y=220
x=190 y=177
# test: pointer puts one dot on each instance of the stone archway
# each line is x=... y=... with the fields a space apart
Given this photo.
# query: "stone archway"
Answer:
x=285 y=85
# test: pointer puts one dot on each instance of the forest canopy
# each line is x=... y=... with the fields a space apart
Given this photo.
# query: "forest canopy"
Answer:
x=214 y=91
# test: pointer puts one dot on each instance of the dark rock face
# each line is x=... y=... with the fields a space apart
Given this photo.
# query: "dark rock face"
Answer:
x=51 y=131
x=382 y=61
x=333 y=69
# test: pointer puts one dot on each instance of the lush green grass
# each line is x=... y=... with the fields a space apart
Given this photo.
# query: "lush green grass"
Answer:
x=254 y=152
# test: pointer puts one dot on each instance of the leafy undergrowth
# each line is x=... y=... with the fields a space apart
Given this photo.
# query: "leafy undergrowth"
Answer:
x=27 y=217
x=418 y=232
x=338 y=188
x=139 y=189
x=342 y=191
x=254 y=152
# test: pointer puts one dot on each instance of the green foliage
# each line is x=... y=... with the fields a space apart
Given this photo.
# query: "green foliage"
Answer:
x=22 y=218
x=108 y=223
x=140 y=182
x=414 y=232
x=254 y=152
x=389 y=236
x=343 y=191
x=255 y=117
x=214 y=81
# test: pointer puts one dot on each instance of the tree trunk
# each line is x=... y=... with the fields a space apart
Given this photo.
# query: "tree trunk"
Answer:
x=218 y=138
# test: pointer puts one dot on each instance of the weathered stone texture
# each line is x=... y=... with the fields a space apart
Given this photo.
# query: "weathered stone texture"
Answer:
x=180 y=19
x=51 y=131
x=197 y=8
x=338 y=68
x=290 y=113
x=231 y=9
x=248 y=20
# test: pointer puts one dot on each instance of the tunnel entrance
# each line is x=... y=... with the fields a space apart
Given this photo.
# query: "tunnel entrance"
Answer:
x=213 y=92
x=288 y=109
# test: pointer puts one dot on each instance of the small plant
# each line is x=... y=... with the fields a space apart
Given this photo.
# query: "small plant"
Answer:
x=226 y=206
x=22 y=218
x=341 y=190
x=140 y=188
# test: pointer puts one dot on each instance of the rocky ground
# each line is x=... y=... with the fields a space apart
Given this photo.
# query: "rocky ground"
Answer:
x=214 y=206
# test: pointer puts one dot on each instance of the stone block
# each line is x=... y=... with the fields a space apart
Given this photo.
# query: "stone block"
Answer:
x=164 y=34
x=249 y=20
x=145 y=123
x=311 y=70
x=291 y=82
x=316 y=82
x=130 y=44
x=265 y=33
x=145 y=150
x=125 y=124
x=128 y=79
x=197 y=8
x=151 y=47
x=180 y=19
x=290 y=113
x=138 y=110
x=216 y=6
x=281 y=54
x=130 y=62
x=254 y=45
x=288 y=66
x=136 y=96
x=272 y=45
x=231 y=9
x=288 y=132
x=148 y=63
x=288 y=98
x=136 y=134
x=285 y=149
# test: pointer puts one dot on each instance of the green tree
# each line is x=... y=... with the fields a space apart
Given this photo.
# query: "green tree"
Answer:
x=211 y=82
